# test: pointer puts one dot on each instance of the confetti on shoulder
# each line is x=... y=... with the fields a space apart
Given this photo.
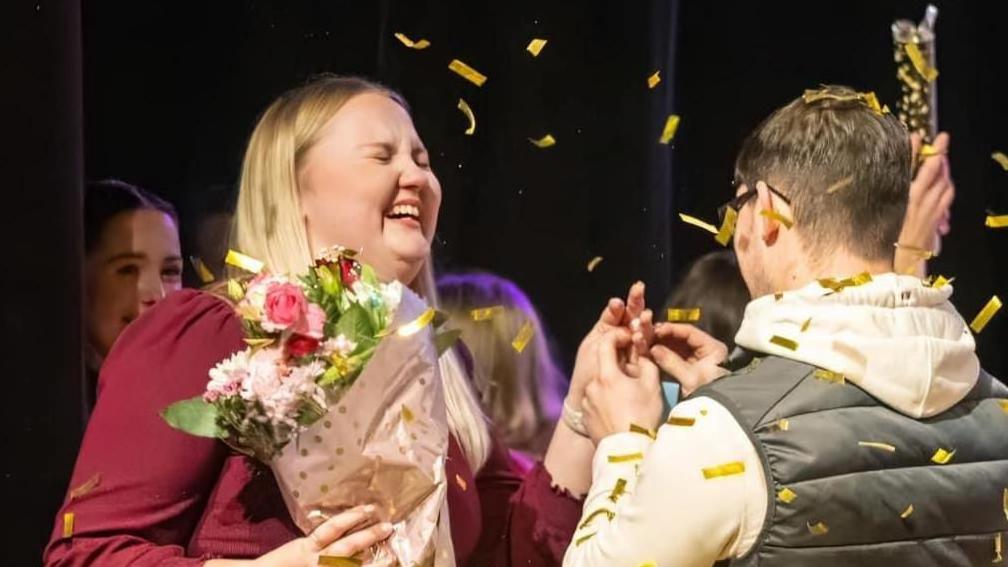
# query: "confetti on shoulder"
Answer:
x=535 y=46
x=417 y=324
x=467 y=72
x=818 y=528
x=654 y=79
x=545 y=142
x=627 y=458
x=942 y=456
x=784 y=342
x=906 y=513
x=727 y=469
x=786 y=495
x=419 y=44
x=669 y=131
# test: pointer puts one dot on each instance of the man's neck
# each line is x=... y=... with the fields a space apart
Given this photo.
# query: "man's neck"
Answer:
x=839 y=265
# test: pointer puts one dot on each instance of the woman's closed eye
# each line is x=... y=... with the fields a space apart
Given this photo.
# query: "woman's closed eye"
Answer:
x=128 y=270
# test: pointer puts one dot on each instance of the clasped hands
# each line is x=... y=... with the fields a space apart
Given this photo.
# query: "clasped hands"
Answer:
x=617 y=372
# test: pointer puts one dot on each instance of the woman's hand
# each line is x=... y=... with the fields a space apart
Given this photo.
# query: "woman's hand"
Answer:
x=344 y=535
x=616 y=314
x=688 y=354
x=927 y=217
x=622 y=393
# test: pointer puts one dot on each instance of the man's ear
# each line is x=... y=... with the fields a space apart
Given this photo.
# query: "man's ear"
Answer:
x=769 y=227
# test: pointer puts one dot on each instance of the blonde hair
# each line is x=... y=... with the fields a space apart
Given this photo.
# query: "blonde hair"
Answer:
x=523 y=392
x=269 y=224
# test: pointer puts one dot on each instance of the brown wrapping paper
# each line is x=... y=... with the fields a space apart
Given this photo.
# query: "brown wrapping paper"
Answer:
x=383 y=442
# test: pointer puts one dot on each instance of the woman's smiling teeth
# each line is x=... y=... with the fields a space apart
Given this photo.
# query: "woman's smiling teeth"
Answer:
x=405 y=211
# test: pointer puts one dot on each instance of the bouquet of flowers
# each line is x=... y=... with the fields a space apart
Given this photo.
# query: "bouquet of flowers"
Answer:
x=338 y=391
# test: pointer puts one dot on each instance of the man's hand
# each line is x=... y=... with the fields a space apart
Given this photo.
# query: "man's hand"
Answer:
x=623 y=393
x=688 y=354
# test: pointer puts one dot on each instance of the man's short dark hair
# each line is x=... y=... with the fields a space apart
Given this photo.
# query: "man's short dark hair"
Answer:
x=835 y=137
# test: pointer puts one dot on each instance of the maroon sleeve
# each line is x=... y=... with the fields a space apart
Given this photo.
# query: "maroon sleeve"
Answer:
x=153 y=481
x=527 y=521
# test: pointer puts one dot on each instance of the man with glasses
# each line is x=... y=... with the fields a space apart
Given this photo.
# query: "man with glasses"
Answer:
x=863 y=432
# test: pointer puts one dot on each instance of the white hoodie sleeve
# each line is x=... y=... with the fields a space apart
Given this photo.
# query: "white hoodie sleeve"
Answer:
x=668 y=512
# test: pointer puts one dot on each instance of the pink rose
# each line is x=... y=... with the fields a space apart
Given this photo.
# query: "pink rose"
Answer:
x=313 y=324
x=285 y=305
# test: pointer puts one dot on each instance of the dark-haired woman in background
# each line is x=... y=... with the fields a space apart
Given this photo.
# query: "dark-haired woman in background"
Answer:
x=132 y=260
x=714 y=284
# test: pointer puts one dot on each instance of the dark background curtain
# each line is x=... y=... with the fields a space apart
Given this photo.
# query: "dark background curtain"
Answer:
x=171 y=92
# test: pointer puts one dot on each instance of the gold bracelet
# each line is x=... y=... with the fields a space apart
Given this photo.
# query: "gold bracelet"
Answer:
x=924 y=253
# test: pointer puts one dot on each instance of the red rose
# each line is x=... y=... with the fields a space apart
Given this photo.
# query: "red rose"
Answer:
x=349 y=271
x=300 y=345
x=285 y=305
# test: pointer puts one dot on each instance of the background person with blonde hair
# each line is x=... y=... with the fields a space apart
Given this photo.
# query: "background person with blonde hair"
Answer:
x=337 y=161
x=522 y=391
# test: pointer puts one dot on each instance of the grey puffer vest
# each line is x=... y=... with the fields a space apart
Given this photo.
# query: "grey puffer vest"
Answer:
x=853 y=482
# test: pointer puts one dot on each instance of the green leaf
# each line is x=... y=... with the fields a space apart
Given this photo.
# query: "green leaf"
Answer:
x=331 y=284
x=194 y=416
x=368 y=275
x=355 y=323
x=446 y=340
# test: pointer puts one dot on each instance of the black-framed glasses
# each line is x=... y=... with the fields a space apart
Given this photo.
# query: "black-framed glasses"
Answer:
x=739 y=201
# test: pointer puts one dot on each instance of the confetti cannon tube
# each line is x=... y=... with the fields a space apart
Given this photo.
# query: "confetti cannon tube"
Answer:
x=914 y=53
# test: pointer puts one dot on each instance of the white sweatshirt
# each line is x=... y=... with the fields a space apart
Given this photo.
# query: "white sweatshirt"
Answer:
x=897 y=339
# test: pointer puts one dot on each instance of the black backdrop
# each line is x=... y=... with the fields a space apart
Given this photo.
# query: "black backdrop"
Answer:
x=172 y=90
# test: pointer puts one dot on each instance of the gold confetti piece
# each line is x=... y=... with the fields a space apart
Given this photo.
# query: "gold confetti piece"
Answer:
x=486 y=313
x=648 y=564
x=829 y=376
x=1004 y=405
x=778 y=296
x=906 y=513
x=927 y=150
x=461 y=482
x=417 y=324
x=594 y=263
x=996 y=221
x=86 y=488
x=523 y=338
x=786 y=495
x=535 y=46
x=727 y=230
x=727 y=469
x=680 y=421
x=627 y=458
x=545 y=142
x=877 y=445
x=924 y=69
x=464 y=107
x=690 y=315
x=788 y=223
x=634 y=428
x=204 y=273
x=669 y=131
x=941 y=281
x=688 y=219
x=805 y=325
x=407 y=414
x=783 y=424
x=654 y=79
x=1004 y=503
x=818 y=528
x=235 y=290
x=872 y=102
x=921 y=252
x=620 y=489
x=338 y=561
x=783 y=342
x=467 y=72
x=258 y=343
x=583 y=539
x=840 y=185
x=703 y=412
x=247 y=263
x=997 y=549
x=1001 y=159
x=942 y=457
x=68 y=524
x=601 y=511
x=985 y=314
x=418 y=44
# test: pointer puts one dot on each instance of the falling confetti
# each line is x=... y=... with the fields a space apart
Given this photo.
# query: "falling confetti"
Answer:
x=247 y=263
x=669 y=131
x=689 y=219
x=467 y=72
x=1001 y=159
x=546 y=141
x=535 y=46
x=204 y=273
x=985 y=314
x=676 y=315
x=996 y=221
x=654 y=79
x=524 y=336
x=419 y=44
x=594 y=262
x=419 y=323
x=727 y=230
x=464 y=107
